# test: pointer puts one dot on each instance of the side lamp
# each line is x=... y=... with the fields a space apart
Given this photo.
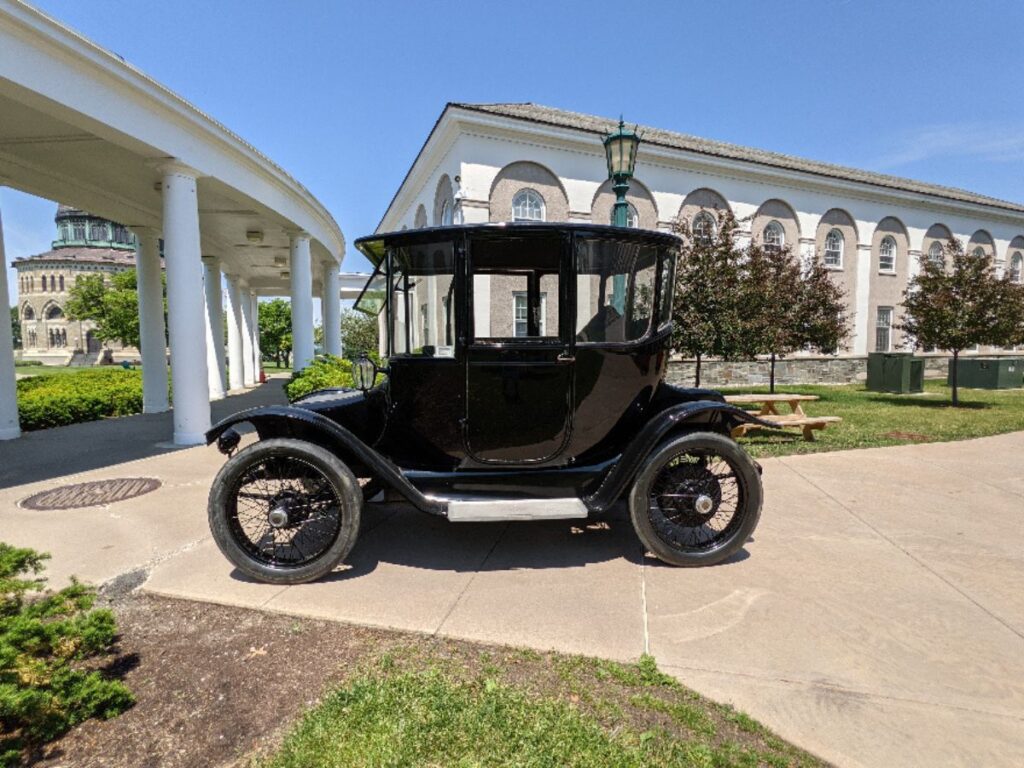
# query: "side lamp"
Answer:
x=364 y=373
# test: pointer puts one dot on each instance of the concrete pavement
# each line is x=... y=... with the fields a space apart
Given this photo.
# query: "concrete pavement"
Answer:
x=876 y=618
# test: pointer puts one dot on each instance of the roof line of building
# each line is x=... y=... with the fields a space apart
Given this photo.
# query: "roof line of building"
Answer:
x=592 y=124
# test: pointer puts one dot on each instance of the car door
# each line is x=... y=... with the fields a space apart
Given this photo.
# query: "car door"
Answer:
x=519 y=357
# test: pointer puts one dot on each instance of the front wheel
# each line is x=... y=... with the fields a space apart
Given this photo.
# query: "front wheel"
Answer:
x=285 y=511
x=697 y=499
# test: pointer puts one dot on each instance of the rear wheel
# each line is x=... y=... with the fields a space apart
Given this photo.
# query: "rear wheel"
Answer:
x=697 y=500
x=285 y=511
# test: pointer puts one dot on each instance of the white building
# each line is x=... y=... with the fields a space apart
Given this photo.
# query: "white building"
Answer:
x=504 y=162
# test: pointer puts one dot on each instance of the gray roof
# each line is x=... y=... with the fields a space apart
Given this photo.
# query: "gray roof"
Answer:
x=601 y=125
x=82 y=255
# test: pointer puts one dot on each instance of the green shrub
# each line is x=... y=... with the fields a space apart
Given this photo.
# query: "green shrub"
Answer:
x=21 y=363
x=50 y=649
x=326 y=371
x=53 y=401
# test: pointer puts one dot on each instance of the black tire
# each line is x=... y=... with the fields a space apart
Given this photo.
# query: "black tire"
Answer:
x=321 y=500
x=685 y=510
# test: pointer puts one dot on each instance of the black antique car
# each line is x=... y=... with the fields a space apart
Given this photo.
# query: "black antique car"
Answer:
x=524 y=380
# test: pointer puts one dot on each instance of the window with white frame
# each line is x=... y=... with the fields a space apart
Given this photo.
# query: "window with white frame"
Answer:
x=632 y=217
x=446 y=214
x=527 y=205
x=887 y=255
x=774 y=236
x=520 y=313
x=704 y=227
x=883 y=329
x=978 y=252
x=1017 y=267
x=834 y=248
x=937 y=254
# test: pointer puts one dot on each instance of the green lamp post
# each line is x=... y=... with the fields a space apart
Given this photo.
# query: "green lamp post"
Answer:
x=620 y=150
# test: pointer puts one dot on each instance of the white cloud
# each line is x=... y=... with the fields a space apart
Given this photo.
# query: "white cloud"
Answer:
x=992 y=143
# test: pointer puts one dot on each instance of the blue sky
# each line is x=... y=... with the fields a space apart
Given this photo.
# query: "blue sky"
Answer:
x=342 y=95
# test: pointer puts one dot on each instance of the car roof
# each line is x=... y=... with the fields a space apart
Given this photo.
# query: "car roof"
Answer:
x=373 y=246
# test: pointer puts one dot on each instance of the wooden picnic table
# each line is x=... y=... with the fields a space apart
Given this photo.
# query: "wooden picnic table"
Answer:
x=769 y=411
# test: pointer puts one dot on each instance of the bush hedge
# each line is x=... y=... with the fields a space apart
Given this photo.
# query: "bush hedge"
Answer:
x=87 y=395
x=51 y=650
x=326 y=371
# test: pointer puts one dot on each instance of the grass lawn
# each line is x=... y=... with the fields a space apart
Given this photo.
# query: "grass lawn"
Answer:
x=462 y=705
x=46 y=370
x=876 y=419
x=272 y=367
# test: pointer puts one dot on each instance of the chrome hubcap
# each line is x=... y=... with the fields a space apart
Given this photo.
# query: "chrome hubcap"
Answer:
x=278 y=517
x=704 y=504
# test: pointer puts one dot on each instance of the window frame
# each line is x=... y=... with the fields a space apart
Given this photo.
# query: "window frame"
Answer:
x=543 y=325
x=1017 y=267
x=887 y=327
x=842 y=247
x=891 y=241
x=528 y=191
x=775 y=226
x=701 y=235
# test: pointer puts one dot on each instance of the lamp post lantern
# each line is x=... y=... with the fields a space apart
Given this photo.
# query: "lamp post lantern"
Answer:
x=620 y=151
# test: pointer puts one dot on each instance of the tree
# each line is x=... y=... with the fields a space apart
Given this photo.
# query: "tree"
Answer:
x=113 y=306
x=359 y=334
x=16 y=326
x=956 y=309
x=276 y=331
x=786 y=308
x=706 y=308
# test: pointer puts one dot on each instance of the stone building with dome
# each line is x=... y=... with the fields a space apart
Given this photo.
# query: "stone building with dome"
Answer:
x=85 y=245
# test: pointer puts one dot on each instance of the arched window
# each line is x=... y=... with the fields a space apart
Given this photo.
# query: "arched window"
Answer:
x=527 y=205
x=54 y=312
x=978 y=252
x=1017 y=267
x=446 y=214
x=887 y=255
x=937 y=254
x=98 y=231
x=28 y=313
x=632 y=217
x=78 y=229
x=774 y=236
x=44 y=283
x=704 y=227
x=834 y=248
x=61 y=278
x=53 y=282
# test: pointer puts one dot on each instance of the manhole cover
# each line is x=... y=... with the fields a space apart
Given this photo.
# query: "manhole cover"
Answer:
x=94 y=494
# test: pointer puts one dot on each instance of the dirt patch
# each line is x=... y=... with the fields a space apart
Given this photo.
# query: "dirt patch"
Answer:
x=914 y=437
x=212 y=683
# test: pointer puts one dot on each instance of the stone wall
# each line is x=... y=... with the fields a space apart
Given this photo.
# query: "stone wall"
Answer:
x=796 y=370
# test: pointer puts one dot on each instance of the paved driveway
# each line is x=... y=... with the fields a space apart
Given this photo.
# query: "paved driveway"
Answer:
x=876 y=618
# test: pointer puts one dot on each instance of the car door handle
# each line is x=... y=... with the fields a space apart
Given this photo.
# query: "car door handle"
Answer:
x=565 y=357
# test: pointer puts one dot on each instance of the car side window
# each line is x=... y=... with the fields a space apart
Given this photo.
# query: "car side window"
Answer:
x=615 y=284
x=423 y=301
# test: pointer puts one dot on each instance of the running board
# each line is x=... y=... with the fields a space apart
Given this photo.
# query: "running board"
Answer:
x=474 y=509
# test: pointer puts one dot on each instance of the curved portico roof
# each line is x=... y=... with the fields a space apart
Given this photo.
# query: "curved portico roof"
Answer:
x=83 y=126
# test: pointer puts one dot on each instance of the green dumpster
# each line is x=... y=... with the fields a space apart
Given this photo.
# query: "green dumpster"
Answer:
x=987 y=372
x=896 y=372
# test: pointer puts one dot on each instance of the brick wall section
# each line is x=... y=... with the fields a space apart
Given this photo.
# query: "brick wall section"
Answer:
x=800 y=370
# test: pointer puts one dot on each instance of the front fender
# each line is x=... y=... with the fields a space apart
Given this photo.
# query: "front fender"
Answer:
x=299 y=423
x=709 y=415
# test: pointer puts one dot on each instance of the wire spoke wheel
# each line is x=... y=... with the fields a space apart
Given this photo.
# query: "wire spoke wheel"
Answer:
x=284 y=511
x=696 y=500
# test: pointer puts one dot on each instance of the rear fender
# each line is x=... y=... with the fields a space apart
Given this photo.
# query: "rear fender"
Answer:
x=301 y=424
x=702 y=415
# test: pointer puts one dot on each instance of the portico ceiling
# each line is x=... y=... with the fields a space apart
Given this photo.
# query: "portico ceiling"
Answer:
x=78 y=125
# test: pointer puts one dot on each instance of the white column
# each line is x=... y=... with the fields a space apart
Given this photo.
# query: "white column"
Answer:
x=257 y=356
x=330 y=301
x=9 y=427
x=302 y=301
x=186 y=308
x=861 y=298
x=214 y=327
x=152 y=330
x=236 y=378
x=248 y=350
